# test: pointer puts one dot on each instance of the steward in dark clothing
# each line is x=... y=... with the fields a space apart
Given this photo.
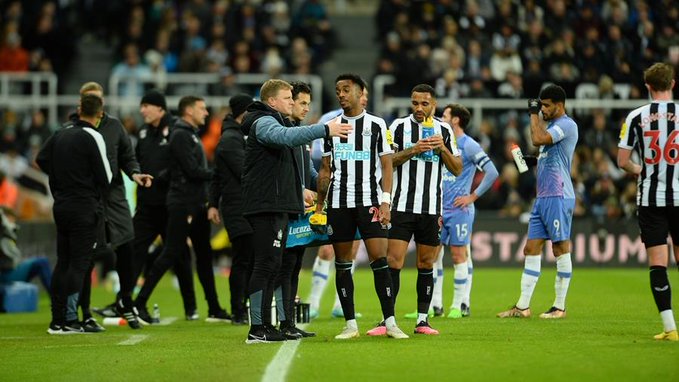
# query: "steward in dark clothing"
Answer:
x=150 y=218
x=79 y=173
x=187 y=209
x=226 y=195
x=272 y=190
x=118 y=228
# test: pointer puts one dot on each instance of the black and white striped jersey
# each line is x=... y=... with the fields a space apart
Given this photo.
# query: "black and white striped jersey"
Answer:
x=355 y=163
x=653 y=131
x=417 y=182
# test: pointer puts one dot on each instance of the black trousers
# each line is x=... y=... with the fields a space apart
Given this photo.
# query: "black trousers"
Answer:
x=149 y=222
x=268 y=242
x=241 y=268
x=185 y=222
x=288 y=279
x=76 y=238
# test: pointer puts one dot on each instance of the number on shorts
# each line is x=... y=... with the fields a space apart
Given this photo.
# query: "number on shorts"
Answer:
x=557 y=225
x=376 y=214
x=461 y=230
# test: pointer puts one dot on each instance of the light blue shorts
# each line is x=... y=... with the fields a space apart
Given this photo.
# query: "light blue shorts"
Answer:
x=457 y=226
x=551 y=219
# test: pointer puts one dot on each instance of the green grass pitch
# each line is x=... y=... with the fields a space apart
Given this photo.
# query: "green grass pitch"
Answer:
x=607 y=336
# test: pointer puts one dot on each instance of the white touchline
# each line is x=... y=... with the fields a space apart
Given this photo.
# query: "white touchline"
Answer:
x=167 y=321
x=134 y=339
x=278 y=368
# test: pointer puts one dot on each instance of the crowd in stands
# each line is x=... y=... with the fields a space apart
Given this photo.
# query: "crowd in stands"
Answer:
x=465 y=49
x=222 y=36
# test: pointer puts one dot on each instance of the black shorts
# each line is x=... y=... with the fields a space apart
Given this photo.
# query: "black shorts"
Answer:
x=343 y=222
x=426 y=228
x=655 y=223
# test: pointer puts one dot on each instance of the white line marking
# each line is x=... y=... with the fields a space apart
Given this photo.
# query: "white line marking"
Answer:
x=278 y=368
x=167 y=321
x=134 y=339
x=70 y=346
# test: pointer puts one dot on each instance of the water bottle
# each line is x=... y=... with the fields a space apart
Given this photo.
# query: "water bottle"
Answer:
x=427 y=127
x=114 y=321
x=518 y=159
x=156 y=313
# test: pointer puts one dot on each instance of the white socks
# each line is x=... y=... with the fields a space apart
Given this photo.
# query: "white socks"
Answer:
x=470 y=271
x=461 y=273
x=529 y=278
x=437 y=296
x=319 y=281
x=668 y=320
x=564 y=269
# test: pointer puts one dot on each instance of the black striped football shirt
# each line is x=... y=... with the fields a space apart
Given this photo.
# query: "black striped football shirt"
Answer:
x=417 y=182
x=653 y=132
x=355 y=162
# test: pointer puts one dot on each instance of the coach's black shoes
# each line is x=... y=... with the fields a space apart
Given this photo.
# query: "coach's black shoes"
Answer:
x=290 y=331
x=129 y=313
x=218 y=316
x=240 y=319
x=91 y=325
x=260 y=334
x=65 y=329
x=107 y=311
x=144 y=316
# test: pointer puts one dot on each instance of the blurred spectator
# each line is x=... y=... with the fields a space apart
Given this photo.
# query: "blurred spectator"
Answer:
x=9 y=193
x=36 y=133
x=132 y=72
x=13 y=57
x=12 y=163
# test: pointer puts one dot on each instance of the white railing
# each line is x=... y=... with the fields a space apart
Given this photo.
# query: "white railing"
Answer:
x=200 y=82
x=13 y=92
x=385 y=105
x=23 y=91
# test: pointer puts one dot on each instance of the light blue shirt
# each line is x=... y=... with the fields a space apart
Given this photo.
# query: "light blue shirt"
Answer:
x=554 y=161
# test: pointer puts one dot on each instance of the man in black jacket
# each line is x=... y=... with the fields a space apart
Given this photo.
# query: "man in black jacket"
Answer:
x=186 y=209
x=272 y=189
x=75 y=160
x=119 y=231
x=226 y=197
x=288 y=276
x=150 y=218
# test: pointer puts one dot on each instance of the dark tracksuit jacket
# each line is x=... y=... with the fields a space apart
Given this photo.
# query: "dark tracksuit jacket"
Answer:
x=121 y=157
x=225 y=188
x=150 y=218
x=79 y=173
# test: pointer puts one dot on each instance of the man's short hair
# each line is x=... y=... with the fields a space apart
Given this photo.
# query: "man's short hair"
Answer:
x=91 y=105
x=300 y=87
x=659 y=76
x=271 y=87
x=355 y=78
x=91 y=86
x=461 y=112
x=553 y=92
x=186 y=102
x=424 y=88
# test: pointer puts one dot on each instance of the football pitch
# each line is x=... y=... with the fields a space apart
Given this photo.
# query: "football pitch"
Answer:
x=607 y=336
